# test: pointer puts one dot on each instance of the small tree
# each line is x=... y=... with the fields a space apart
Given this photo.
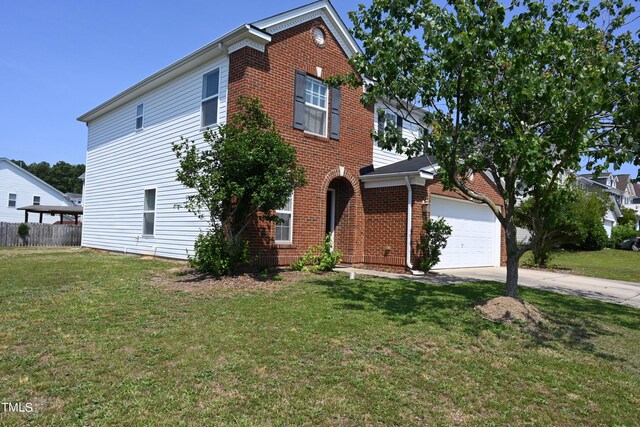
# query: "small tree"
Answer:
x=243 y=171
x=435 y=233
x=568 y=216
x=520 y=91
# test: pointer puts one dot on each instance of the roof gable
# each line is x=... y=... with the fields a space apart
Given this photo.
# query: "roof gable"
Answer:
x=255 y=35
x=320 y=9
x=26 y=173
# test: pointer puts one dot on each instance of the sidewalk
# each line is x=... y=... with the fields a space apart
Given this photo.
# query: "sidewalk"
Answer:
x=613 y=291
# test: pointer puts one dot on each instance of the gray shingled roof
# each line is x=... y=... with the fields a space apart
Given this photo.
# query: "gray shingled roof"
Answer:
x=411 y=165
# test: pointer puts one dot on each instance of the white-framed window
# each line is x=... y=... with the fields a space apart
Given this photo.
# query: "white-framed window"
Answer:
x=210 y=89
x=36 y=200
x=13 y=198
x=386 y=117
x=149 y=212
x=139 y=116
x=315 y=107
x=284 y=230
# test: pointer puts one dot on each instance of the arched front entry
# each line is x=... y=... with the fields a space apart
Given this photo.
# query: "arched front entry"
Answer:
x=341 y=216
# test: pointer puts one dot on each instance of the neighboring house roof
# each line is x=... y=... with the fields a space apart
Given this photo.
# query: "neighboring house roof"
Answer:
x=26 y=172
x=256 y=35
x=623 y=181
x=587 y=178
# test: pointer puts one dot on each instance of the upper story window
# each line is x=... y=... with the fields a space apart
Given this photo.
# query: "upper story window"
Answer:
x=385 y=117
x=13 y=197
x=36 y=200
x=284 y=230
x=210 y=89
x=149 y=212
x=316 y=107
x=314 y=111
x=139 y=116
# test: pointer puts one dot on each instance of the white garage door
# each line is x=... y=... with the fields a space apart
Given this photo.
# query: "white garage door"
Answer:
x=475 y=236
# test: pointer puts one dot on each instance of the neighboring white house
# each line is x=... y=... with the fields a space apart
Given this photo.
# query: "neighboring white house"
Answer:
x=19 y=188
x=620 y=190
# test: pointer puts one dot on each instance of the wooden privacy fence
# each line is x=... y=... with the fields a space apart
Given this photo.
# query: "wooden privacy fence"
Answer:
x=41 y=235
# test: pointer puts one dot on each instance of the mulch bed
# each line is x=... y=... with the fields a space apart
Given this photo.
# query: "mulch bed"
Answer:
x=187 y=279
x=511 y=310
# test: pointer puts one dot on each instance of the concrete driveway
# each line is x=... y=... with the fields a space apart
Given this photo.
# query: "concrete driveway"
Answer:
x=615 y=291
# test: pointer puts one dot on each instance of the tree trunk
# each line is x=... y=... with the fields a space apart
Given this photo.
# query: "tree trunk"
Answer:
x=513 y=257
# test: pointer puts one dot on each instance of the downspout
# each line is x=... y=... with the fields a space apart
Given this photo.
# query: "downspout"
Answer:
x=409 y=217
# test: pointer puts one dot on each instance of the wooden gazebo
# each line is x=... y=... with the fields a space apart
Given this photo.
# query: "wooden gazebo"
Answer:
x=74 y=211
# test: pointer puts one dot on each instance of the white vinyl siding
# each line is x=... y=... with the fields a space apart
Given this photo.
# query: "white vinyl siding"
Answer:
x=23 y=186
x=409 y=131
x=284 y=230
x=122 y=163
x=316 y=107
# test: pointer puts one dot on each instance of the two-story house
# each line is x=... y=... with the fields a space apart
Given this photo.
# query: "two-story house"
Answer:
x=370 y=201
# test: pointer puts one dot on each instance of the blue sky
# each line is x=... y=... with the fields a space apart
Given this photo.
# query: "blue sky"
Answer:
x=59 y=59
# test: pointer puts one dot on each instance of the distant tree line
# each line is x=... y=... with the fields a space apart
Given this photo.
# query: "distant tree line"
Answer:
x=62 y=175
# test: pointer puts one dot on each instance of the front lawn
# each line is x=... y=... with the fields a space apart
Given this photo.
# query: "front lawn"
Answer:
x=96 y=339
x=608 y=263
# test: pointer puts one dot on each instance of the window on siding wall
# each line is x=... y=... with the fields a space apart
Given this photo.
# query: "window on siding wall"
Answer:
x=284 y=230
x=210 y=89
x=13 y=197
x=36 y=200
x=388 y=117
x=149 y=212
x=316 y=107
x=139 y=116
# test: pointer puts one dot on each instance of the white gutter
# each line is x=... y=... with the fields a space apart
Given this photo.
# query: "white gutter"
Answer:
x=409 y=216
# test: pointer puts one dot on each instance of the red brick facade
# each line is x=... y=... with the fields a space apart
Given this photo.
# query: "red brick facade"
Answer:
x=370 y=224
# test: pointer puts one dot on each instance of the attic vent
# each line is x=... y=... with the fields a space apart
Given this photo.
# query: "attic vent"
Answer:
x=318 y=36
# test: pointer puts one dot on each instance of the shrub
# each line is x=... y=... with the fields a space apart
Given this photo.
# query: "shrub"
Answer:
x=620 y=233
x=213 y=254
x=319 y=257
x=23 y=230
x=433 y=239
x=596 y=240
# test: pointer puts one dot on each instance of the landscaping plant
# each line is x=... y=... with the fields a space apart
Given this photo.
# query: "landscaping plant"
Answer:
x=319 y=257
x=435 y=233
x=242 y=173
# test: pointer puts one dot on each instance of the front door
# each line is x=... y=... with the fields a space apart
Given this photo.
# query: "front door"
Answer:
x=330 y=222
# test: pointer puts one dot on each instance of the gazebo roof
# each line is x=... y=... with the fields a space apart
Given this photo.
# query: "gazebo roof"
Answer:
x=49 y=209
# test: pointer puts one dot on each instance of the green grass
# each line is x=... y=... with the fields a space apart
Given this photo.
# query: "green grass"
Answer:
x=90 y=340
x=608 y=263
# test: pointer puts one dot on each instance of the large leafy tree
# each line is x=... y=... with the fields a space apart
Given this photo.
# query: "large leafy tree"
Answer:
x=243 y=171
x=520 y=91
